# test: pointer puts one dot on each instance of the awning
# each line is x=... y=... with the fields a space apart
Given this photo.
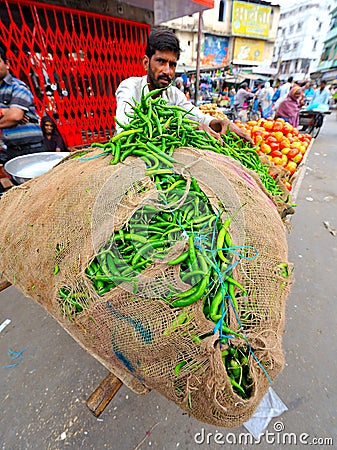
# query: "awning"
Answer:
x=184 y=68
x=254 y=76
x=168 y=10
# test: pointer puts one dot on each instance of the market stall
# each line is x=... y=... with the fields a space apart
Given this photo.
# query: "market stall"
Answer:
x=165 y=274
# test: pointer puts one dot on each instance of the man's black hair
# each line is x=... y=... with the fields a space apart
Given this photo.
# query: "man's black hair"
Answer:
x=162 y=40
x=244 y=85
x=3 y=54
x=290 y=79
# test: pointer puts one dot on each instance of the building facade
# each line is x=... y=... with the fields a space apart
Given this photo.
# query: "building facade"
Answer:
x=327 y=66
x=300 y=38
x=236 y=34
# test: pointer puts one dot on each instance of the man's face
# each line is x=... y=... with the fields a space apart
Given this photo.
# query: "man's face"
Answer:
x=161 y=68
x=3 y=69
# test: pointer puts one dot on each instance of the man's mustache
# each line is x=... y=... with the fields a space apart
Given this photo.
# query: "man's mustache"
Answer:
x=164 y=77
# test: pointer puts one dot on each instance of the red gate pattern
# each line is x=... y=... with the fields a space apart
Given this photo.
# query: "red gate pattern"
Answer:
x=73 y=62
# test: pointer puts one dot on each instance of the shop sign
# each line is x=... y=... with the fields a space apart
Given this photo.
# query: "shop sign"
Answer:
x=250 y=19
x=215 y=50
x=248 y=51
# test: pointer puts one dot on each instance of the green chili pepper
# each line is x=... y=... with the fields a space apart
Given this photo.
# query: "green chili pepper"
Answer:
x=201 y=287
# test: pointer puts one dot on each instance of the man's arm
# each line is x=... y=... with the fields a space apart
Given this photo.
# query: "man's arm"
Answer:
x=215 y=127
x=11 y=117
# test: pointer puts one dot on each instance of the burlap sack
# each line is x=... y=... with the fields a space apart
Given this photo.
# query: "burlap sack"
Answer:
x=61 y=219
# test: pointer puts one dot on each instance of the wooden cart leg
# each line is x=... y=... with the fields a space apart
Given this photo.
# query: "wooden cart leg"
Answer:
x=4 y=284
x=101 y=397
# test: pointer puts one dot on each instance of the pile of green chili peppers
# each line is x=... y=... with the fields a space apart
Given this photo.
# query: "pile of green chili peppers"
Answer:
x=154 y=132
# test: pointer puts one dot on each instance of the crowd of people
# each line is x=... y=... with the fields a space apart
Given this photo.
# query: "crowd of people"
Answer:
x=281 y=98
x=265 y=99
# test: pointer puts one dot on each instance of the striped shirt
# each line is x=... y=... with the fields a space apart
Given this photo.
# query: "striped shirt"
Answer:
x=15 y=93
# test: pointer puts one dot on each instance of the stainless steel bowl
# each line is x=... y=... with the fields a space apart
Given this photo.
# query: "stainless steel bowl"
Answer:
x=25 y=167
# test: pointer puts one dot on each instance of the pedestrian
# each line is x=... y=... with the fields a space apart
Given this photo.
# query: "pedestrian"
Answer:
x=52 y=139
x=231 y=96
x=265 y=100
x=180 y=83
x=284 y=91
x=187 y=93
x=160 y=62
x=309 y=91
x=21 y=132
x=289 y=108
x=242 y=97
x=321 y=96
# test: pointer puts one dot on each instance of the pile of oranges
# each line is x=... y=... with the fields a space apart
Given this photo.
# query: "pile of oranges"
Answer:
x=283 y=144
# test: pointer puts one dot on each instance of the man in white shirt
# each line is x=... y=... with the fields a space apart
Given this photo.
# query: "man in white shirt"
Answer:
x=284 y=91
x=160 y=62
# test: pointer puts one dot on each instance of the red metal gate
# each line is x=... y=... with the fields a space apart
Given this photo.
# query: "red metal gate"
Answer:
x=73 y=61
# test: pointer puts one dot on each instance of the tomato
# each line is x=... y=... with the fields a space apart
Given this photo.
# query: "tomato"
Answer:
x=284 y=143
x=284 y=159
x=272 y=172
x=291 y=166
x=268 y=125
x=276 y=153
x=298 y=158
x=288 y=185
x=277 y=161
x=287 y=128
x=292 y=153
x=265 y=148
x=251 y=123
x=278 y=135
x=278 y=126
x=285 y=150
x=274 y=146
x=271 y=138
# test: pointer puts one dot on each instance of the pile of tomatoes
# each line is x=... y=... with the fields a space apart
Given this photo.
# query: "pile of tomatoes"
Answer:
x=283 y=144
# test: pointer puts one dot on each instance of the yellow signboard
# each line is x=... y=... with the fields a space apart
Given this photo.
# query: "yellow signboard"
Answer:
x=248 y=50
x=250 y=19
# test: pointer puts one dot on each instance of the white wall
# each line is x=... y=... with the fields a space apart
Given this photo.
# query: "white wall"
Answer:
x=302 y=30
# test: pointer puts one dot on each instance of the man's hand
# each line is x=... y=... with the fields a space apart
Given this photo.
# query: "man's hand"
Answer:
x=220 y=127
x=209 y=130
x=24 y=120
x=239 y=131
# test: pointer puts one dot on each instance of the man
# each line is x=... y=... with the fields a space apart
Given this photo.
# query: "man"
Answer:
x=242 y=96
x=160 y=62
x=180 y=84
x=322 y=95
x=309 y=91
x=19 y=123
x=284 y=91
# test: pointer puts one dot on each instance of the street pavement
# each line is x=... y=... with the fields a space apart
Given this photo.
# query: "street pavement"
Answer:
x=46 y=377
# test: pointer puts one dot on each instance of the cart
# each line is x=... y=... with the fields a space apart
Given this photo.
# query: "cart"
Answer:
x=311 y=121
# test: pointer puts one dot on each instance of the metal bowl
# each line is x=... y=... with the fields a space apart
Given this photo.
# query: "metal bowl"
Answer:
x=25 y=167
